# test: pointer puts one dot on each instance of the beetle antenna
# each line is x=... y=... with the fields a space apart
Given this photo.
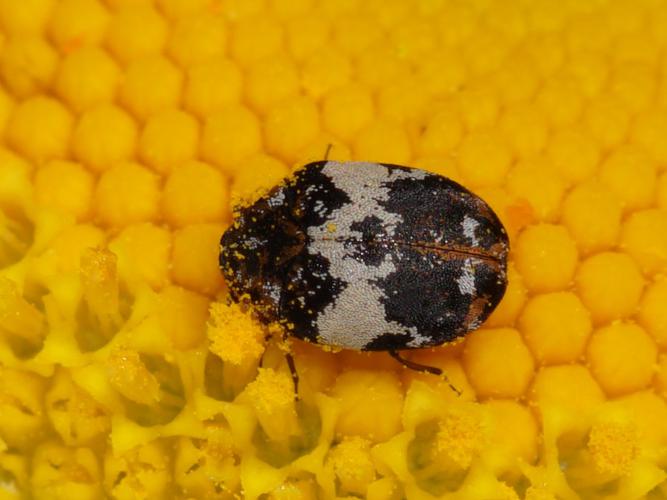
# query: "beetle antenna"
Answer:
x=326 y=153
x=433 y=370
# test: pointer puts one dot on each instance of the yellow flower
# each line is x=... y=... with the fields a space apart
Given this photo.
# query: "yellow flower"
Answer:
x=131 y=131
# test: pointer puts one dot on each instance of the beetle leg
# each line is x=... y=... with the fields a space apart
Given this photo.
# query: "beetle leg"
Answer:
x=295 y=376
x=326 y=153
x=290 y=363
x=422 y=368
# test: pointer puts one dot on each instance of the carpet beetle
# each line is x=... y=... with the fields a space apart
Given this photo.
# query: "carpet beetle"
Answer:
x=368 y=256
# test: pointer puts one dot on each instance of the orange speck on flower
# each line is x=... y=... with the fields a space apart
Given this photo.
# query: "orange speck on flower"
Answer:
x=539 y=186
x=518 y=214
x=82 y=20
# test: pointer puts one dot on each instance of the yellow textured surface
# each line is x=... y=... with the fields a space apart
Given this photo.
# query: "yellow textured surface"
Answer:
x=129 y=128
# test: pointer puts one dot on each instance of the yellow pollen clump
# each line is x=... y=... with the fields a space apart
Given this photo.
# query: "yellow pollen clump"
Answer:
x=233 y=334
x=271 y=396
x=613 y=446
x=459 y=439
x=133 y=131
x=353 y=465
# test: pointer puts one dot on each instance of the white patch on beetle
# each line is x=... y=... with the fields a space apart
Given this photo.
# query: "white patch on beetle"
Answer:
x=466 y=281
x=469 y=226
x=253 y=243
x=277 y=199
x=274 y=291
x=357 y=315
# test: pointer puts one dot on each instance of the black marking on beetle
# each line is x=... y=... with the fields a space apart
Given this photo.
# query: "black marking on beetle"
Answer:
x=368 y=256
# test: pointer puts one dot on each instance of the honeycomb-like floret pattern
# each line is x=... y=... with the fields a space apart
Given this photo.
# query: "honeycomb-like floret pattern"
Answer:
x=129 y=131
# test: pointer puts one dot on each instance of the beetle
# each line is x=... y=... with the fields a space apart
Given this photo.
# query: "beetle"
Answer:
x=368 y=256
